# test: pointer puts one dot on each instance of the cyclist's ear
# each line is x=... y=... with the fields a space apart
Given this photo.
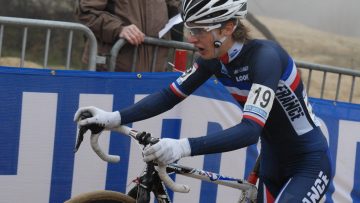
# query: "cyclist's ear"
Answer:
x=228 y=28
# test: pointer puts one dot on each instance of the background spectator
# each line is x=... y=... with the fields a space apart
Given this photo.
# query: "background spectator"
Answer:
x=129 y=19
x=177 y=32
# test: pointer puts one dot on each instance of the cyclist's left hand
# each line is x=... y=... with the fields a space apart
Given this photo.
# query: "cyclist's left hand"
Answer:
x=167 y=151
x=108 y=120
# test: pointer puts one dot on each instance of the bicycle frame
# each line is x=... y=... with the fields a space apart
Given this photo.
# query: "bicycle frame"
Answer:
x=154 y=183
x=210 y=177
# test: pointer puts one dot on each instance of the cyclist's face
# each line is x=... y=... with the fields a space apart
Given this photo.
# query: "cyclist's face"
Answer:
x=203 y=41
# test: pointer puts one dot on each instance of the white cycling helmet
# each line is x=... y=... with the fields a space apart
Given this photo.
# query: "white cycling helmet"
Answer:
x=209 y=14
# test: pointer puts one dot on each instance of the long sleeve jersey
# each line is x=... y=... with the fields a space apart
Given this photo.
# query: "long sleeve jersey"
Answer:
x=264 y=79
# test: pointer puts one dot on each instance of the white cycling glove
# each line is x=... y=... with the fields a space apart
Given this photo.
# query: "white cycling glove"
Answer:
x=108 y=120
x=167 y=151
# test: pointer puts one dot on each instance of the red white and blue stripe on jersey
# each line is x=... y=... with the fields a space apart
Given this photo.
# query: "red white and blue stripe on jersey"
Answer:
x=255 y=117
x=291 y=76
x=176 y=89
x=239 y=91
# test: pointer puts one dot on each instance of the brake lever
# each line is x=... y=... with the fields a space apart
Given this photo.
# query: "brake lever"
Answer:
x=94 y=128
x=80 y=138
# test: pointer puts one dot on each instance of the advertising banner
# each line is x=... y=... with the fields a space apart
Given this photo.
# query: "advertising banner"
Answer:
x=38 y=135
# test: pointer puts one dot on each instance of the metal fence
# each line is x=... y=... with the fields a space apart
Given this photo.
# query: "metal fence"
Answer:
x=171 y=44
x=321 y=81
x=48 y=26
x=330 y=82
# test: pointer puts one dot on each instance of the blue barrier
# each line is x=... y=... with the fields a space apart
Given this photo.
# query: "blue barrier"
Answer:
x=38 y=135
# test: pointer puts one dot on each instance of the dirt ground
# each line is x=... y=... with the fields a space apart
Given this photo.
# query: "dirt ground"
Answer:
x=308 y=44
x=15 y=62
x=315 y=46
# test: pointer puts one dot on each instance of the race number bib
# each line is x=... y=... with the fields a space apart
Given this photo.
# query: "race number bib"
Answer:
x=259 y=101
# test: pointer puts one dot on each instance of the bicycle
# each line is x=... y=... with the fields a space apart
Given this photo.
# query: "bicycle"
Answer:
x=155 y=178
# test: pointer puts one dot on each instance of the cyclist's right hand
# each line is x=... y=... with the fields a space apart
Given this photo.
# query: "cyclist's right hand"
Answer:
x=167 y=151
x=108 y=120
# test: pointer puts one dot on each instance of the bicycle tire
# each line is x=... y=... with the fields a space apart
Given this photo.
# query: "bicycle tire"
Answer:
x=101 y=196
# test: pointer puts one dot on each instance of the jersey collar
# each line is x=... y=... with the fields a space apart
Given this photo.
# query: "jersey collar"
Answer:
x=231 y=53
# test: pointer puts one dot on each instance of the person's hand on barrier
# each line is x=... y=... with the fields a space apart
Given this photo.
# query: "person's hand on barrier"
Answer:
x=167 y=151
x=105 y=119
x=132 y=34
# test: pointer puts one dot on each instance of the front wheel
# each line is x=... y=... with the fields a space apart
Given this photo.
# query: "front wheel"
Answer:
x=101 y=196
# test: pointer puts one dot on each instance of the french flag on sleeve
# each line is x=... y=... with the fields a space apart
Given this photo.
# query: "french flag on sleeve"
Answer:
x=175 y=88
x=291 y=76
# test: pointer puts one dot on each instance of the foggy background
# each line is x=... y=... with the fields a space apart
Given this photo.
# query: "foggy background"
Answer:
x=337 y=16
x=331 y=34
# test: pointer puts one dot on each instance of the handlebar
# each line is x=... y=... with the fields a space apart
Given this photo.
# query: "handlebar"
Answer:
x=94 y=140
x=164 y=176
x=114 y=158
x=176 y=187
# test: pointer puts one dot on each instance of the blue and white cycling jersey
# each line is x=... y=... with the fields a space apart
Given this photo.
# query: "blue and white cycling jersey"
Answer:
x=264 y=79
